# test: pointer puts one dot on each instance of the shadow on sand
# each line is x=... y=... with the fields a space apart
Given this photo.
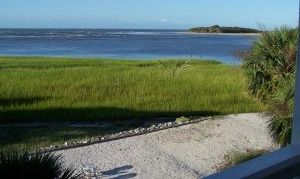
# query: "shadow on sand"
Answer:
x=122 y=172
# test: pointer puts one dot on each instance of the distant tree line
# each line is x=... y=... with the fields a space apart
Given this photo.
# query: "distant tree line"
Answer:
x=219 y=29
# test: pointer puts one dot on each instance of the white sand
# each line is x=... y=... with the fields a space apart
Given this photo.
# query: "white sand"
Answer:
x=190 y=151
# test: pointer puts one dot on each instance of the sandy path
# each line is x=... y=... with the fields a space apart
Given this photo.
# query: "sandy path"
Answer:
x=184 y=152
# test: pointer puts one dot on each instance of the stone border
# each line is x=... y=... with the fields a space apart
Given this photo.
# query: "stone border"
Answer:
x=120 y=135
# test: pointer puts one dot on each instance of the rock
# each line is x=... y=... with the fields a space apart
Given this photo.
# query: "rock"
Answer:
x=131 y=131
x=66 y=144
x=165 y=125
x=153 y=127
x=90 y=171
x=123 y=133
x=159 y=126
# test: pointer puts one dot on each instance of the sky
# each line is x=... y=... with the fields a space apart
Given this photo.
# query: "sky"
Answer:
x=147 y=14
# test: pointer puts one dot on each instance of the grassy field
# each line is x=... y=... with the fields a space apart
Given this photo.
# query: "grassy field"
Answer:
x=60 y=90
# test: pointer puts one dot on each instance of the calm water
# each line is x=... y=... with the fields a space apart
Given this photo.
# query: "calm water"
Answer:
x=133 y=44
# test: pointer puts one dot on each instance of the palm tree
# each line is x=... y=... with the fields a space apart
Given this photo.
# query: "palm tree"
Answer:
x=270 y=70
x=22 y=164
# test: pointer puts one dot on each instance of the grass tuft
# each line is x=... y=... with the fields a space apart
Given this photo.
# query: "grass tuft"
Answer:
x=236 y=158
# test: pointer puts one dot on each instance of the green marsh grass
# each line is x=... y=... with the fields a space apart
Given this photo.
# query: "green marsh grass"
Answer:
x=61 y=90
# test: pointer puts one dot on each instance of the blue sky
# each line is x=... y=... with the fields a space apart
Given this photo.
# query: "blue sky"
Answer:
x=167 y=14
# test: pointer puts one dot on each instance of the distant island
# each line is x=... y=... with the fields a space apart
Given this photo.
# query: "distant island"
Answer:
x=219 y=29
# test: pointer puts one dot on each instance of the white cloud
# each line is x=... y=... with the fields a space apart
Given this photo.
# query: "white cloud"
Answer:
x=164 y=20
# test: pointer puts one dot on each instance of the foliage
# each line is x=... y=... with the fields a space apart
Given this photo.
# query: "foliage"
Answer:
x=61 y=91
x=270 y=70
x=271 y=61
x=235 y=158
x=218 y=29
x=282 y=110
x=108 y=91
x=21 y=164
x=177 y=66
x=281 y=129
x=182 y=120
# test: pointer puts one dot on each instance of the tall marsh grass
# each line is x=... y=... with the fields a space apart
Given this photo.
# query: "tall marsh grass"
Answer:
x=36 y=89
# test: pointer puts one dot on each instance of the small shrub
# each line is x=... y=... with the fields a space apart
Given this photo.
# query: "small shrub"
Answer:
x=181 y=120
x=21 y=164
x=281 y=129
x=241 y=157
x=281 y=108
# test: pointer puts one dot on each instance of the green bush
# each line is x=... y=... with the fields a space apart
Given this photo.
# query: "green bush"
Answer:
x=182 y=119
x=21 y=164
x=270 y=70
x=282 y=110
x=271 y=61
